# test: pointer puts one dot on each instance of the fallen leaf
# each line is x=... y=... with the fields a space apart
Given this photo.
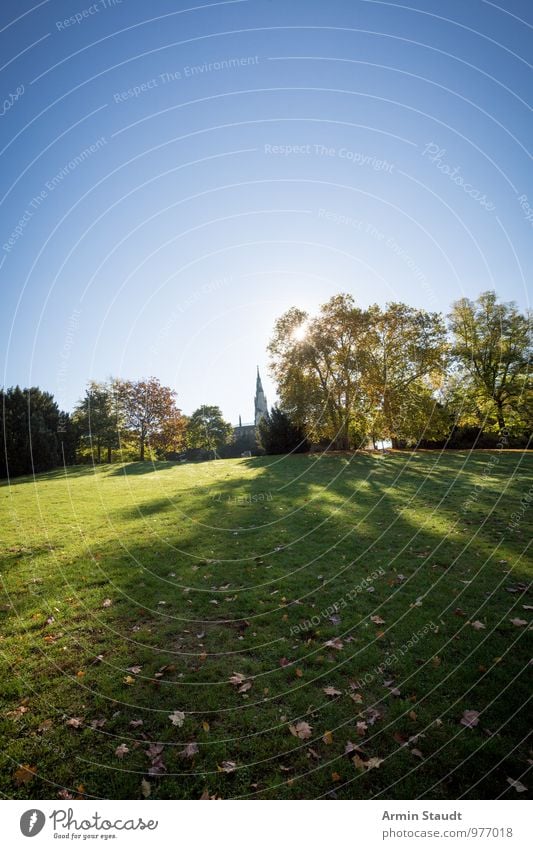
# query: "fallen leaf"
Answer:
x=97 y=723
x=121 y=750
x=298 y=672
x=129 y=680
x=351 y=747
x=518 y=786
x=74 y=722
x=357 y=698
x=107 y=602
x=136 y=723
x=205 y=726
x=177 y=718
x=327 y=738
x=470 y=718
x=519 y=623
x=335 y=644
x=45 y=725
x=146 y=788
x=361 y=728
x=227 y=766
x=24 y=774
x=302 y=730
x=237 y=678
x=373 y=763
x=417 y=753
x=134 y=669
x=477 y=625
x=190 y=750
x=377 y=620
x=332 y=691
x=335 y=776
x=245 y=687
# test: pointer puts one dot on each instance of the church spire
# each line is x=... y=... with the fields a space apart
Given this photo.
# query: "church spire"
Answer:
x=261 y=407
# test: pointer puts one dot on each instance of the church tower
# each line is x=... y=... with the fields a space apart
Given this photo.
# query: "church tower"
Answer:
x=261 y=408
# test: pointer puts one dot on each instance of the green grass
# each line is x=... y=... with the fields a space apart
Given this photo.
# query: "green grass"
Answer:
x=274 y=542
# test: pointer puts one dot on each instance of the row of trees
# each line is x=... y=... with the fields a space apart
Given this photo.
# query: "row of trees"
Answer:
x=140 y=416
x=349 y=375
x=118 y=419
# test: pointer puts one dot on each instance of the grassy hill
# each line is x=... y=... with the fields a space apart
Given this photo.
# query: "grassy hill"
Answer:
x=133 y=594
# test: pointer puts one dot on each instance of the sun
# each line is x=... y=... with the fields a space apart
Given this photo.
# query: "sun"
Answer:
x=299 y=333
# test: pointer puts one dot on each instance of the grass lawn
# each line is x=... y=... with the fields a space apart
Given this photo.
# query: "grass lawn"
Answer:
x=133 y=594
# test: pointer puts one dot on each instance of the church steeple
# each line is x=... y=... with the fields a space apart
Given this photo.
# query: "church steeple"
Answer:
x=261 y=407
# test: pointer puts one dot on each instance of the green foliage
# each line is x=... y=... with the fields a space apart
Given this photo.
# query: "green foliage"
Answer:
x=96 y=418
x=350 y=374
x=207 y=430
x=279 y=435
x=492 y=346
x=33 y=432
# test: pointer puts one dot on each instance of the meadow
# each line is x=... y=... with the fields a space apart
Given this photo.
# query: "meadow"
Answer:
x=337 y=626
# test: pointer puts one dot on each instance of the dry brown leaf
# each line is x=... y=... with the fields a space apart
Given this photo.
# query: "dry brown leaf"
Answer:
x=121 y=750
x=327 y=738
x=74 y=722
x=227 y=766
x=377 y=620
x=518 y=623
x=146 y=788
x=24 y=774
x=477 y=625
x=177 y=718
x=332 y=691
x=301 y=729
x=470 y=718
x=190 y=750
x=107 y=602
x=335 y=644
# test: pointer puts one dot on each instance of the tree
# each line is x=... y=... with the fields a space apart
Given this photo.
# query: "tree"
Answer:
x=279 y=435
x=144 y=406
x=492 y=353
x=207 y=429
x=406 y=358
x=171 y=436
x=29 y=420
x=96 y=418
x=319 y=364
x=350 y=374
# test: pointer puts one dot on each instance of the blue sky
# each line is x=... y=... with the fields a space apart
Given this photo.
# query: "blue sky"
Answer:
x=175 y=178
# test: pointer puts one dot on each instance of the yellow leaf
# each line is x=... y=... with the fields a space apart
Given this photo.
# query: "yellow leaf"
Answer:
x=24 y=774
x=205 y=726
x=128 y=679
x=327 y=738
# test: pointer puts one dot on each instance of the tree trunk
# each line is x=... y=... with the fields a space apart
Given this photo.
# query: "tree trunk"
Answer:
x=142 y=444
x=499 y=415
x=108 y=453
x=98 y=452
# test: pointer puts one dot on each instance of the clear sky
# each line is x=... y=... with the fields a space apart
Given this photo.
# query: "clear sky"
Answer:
x=175 y=175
